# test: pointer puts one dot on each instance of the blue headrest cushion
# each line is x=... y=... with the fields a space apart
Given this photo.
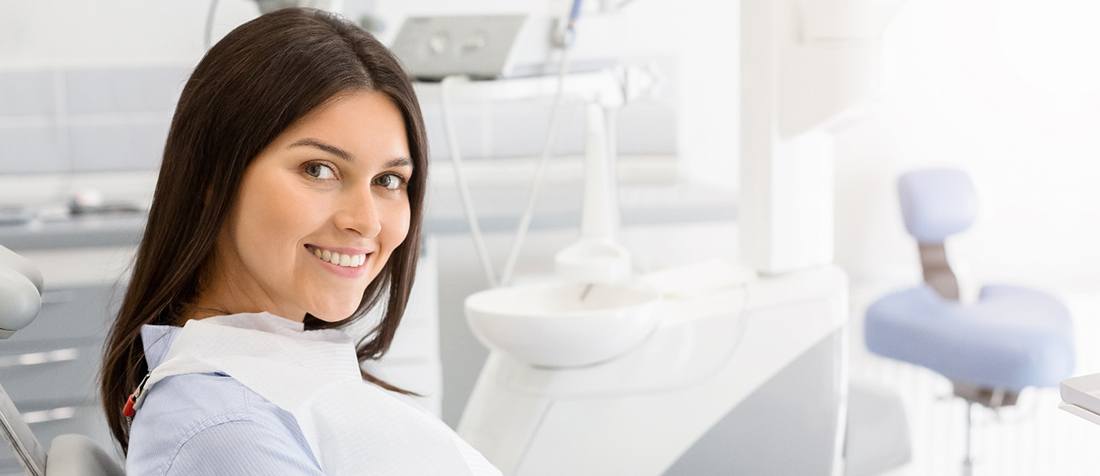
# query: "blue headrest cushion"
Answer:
x=937 y=203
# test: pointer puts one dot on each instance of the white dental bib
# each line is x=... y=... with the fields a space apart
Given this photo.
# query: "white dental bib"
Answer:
x=352 y=426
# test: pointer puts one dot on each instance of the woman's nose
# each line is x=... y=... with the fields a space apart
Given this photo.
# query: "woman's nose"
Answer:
x=358 y=212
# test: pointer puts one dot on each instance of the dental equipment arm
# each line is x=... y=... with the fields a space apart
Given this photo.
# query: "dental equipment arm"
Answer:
x=607 y=89
x=563 y=38
x=595 y=258
x=804 y=65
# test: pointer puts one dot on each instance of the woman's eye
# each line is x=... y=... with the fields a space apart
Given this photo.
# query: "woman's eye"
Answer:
x=320 y=171
x=395 y=182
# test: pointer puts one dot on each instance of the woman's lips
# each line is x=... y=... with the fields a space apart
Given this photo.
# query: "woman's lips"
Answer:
x=344 y=271
x=342 y=250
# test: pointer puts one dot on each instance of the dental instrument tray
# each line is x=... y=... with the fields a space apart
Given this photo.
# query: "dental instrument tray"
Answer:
x=1081 y=397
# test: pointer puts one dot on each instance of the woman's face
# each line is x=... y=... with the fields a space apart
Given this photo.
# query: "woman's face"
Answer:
x=318 y=214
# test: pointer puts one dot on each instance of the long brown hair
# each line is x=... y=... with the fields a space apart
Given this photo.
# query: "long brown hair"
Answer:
x=251 y=86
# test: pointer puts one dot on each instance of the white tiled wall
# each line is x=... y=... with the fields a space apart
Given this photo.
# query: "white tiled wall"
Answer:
x=116 y=119
x=90 y=86
x=86 y=119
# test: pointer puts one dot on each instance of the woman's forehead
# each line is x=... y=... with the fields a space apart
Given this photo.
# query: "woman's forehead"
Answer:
x=357 y=126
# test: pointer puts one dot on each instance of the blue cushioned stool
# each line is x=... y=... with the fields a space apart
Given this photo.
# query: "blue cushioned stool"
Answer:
x=1012 y=338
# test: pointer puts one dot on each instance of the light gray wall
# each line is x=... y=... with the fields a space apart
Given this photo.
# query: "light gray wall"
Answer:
x=117 y=118
x=86 y=119
x=91 y=86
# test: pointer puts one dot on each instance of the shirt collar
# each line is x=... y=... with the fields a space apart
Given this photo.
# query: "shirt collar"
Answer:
x=157 y=339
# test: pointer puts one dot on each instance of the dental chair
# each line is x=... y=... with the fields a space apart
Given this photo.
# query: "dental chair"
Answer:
x=68 y=455
x=1010 y=339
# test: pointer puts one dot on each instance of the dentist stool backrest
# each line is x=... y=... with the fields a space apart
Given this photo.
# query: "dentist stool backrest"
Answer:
x=1009 y=339
x=69 y=455
x=935 y=204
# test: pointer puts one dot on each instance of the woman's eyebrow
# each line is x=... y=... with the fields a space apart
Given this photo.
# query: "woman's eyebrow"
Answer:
x=311 y=142
x=399 y=162
x=343 y=154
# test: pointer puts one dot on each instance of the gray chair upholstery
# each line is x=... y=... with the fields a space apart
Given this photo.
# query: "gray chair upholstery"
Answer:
x=69 y=455
x=78 y=455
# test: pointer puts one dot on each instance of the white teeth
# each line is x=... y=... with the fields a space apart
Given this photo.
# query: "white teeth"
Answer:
x=350 y=261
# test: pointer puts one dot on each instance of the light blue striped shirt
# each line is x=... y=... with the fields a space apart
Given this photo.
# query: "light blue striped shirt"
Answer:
x=210 y=424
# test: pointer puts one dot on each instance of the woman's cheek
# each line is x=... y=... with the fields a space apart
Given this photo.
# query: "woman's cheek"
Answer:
x=277 y=219
x=396 y=227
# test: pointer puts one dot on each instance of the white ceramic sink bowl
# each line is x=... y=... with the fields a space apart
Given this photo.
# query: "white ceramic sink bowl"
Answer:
x=549 y=325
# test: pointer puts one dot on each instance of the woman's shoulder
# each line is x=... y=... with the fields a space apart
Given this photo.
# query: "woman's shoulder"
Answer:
x=195 y=394
x=209 y=423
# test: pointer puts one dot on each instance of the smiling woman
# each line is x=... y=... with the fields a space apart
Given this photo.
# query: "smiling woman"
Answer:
x=327 y=187
x=289 y=203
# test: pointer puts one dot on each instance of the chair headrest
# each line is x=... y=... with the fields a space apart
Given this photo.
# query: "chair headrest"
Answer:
x=937 y=203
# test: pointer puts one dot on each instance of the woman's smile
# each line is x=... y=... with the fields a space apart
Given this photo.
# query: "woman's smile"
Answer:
x=342 y=264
